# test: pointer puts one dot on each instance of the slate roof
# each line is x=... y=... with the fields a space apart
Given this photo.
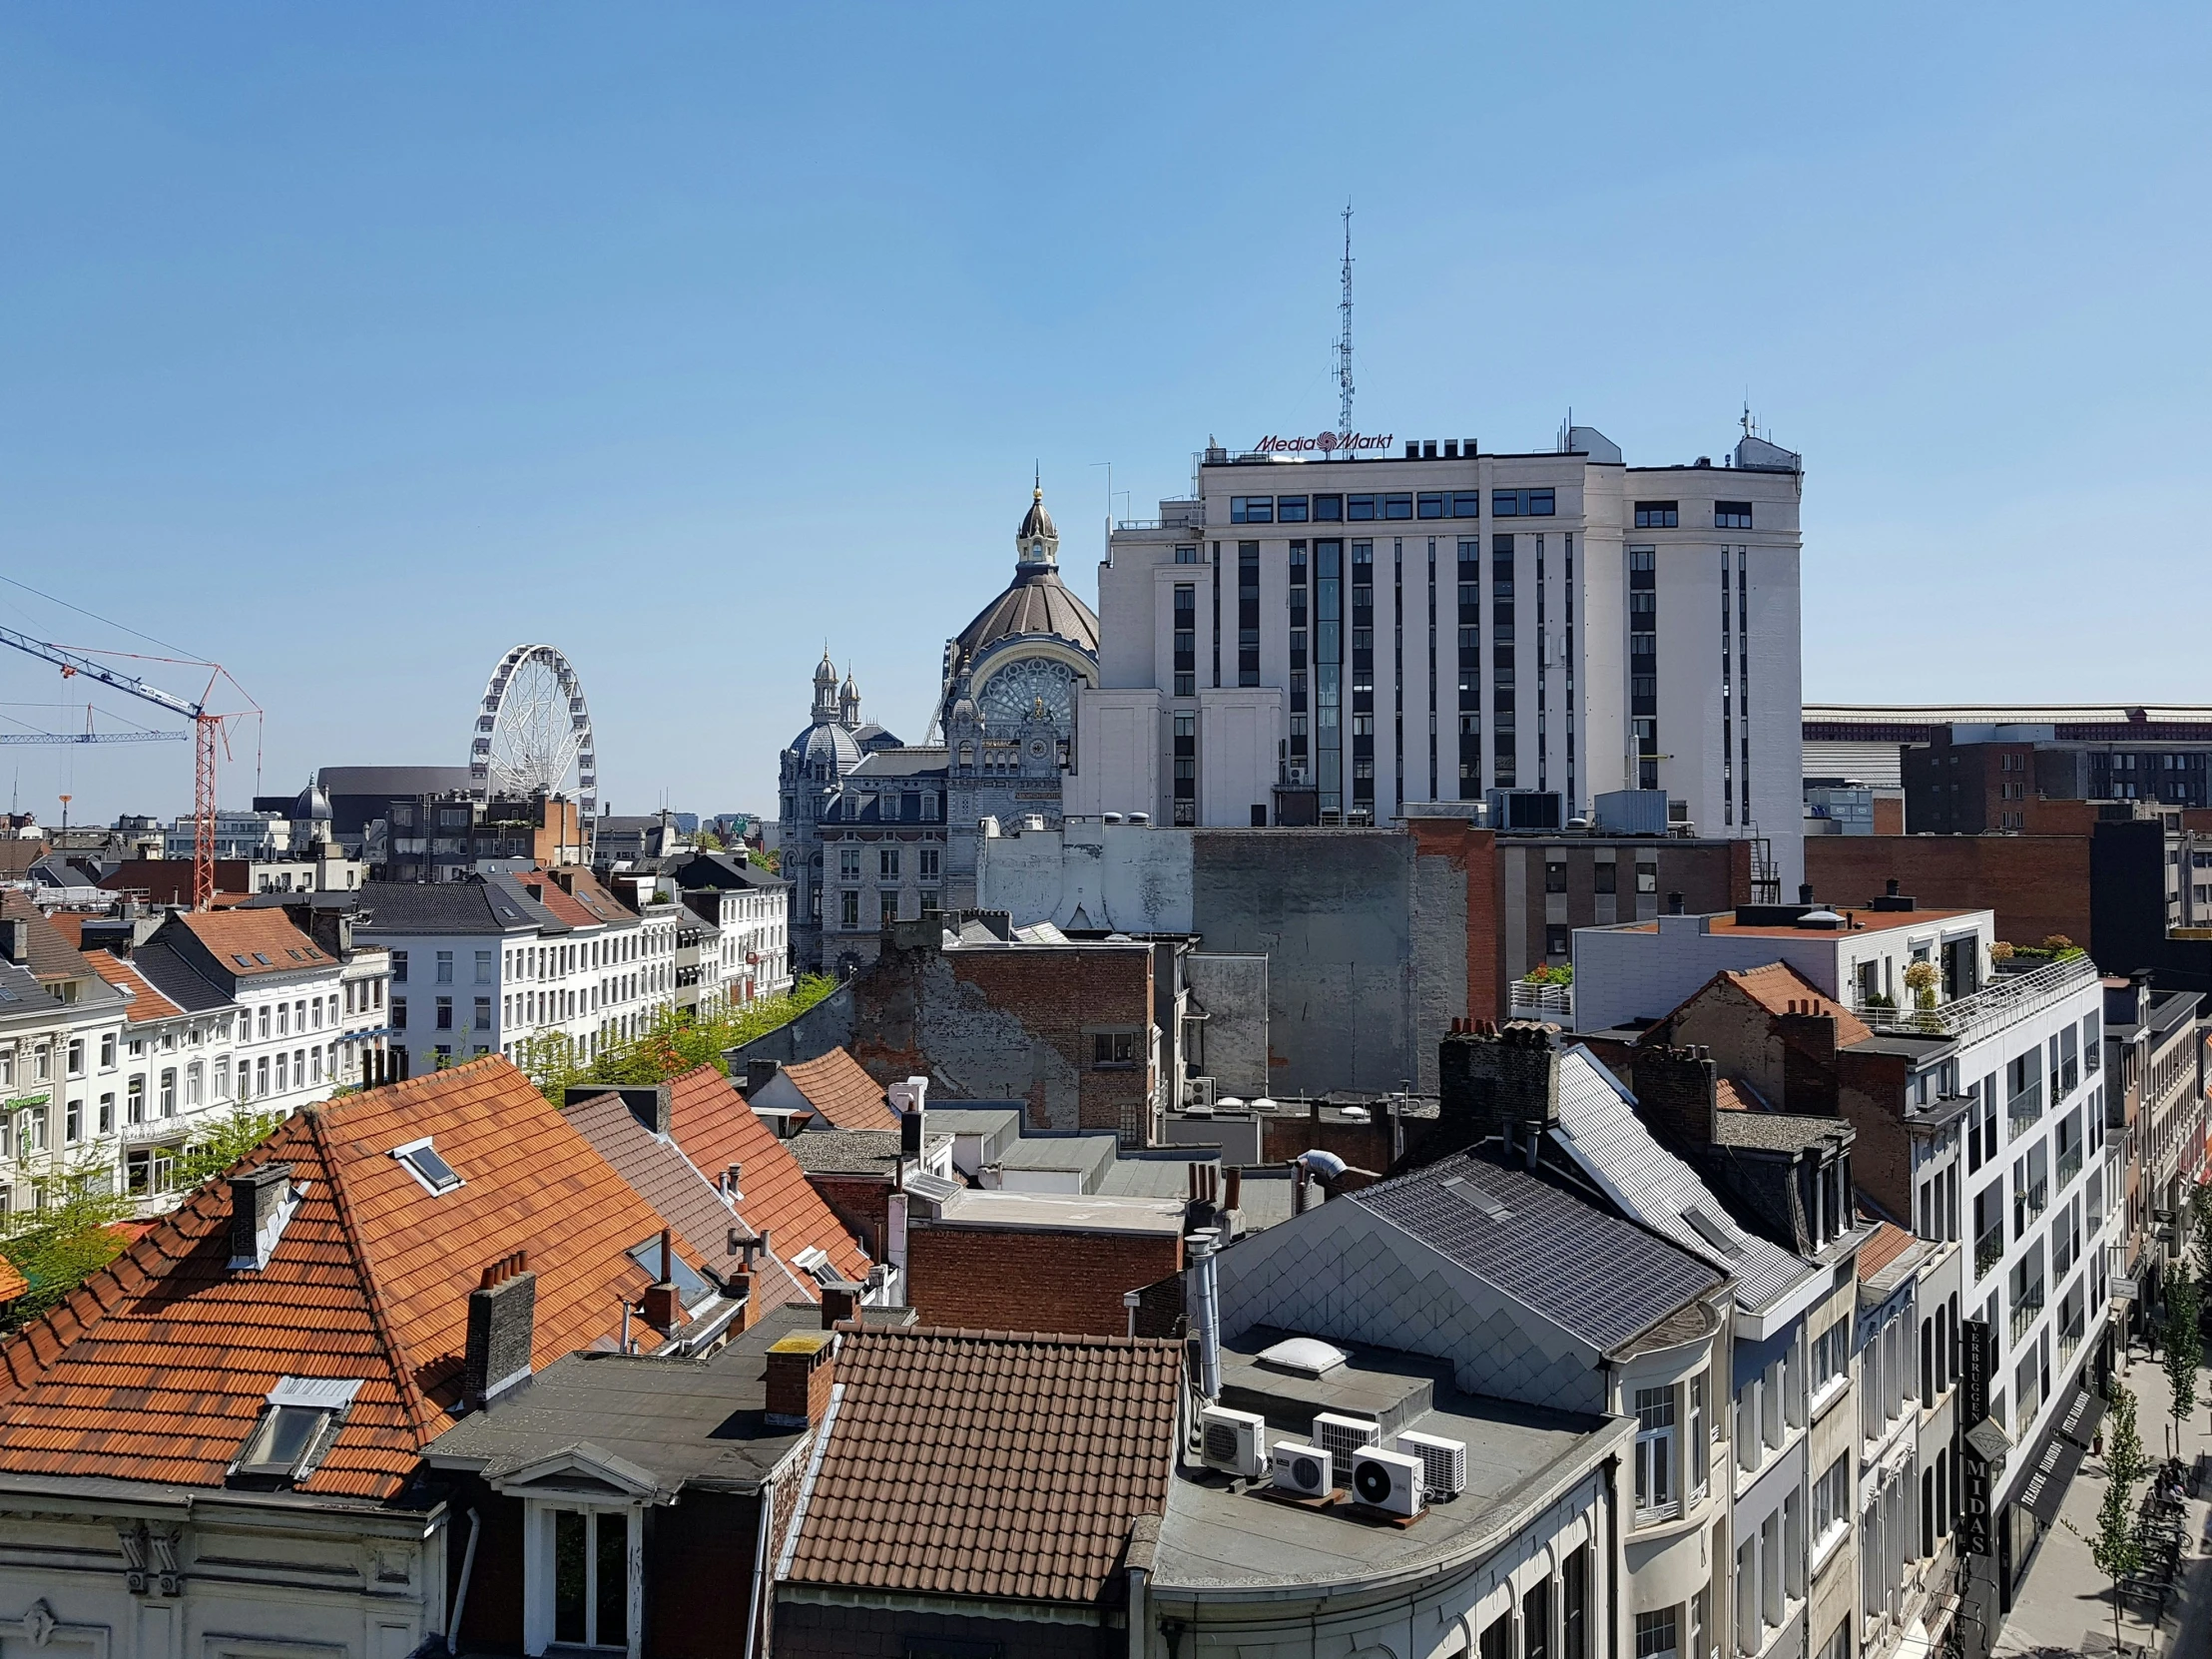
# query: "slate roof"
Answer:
x=1600 y=1131
x=1603 y=1278
x=714 y=1126
x=839 y=1088
x=1035 y=601
x=156 y=1368
x=178 y=981
x=495 y=905
x=988 y=1463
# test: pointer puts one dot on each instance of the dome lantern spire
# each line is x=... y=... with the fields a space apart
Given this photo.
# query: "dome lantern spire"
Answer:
x=1037 y=542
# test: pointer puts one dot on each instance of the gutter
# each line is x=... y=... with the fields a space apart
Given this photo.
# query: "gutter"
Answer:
x=807 y=1482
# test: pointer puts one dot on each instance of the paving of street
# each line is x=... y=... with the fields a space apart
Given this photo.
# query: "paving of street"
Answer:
x=2067 y=1604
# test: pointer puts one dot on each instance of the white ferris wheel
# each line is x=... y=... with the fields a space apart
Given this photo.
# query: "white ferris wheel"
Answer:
x=533 y=732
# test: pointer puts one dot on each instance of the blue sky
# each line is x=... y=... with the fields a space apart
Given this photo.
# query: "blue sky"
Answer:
x=350 y=346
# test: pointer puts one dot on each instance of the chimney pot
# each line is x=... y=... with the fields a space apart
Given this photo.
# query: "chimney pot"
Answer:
x=1236 y=1189
x=730 y=1181
x=1805 y=892
x=1890 y=886
x=1674 y=903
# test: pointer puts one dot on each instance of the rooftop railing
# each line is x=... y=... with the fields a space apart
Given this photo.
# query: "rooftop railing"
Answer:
x=1994 y=1006
x=1546 y=1002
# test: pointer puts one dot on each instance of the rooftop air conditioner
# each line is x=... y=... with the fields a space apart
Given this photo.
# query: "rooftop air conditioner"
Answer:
x=1233 y=1442
x=1304 y=1470
x=1202 y=1092
x=1386 y=1480
x=1443 y=1464
x=1341 y=1437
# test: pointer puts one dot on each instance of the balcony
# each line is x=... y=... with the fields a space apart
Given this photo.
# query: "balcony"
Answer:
x=1989 y=1251
x=2023 y=1109
x=2025 y=1314
x=2069 y=1166
x=1545 y=1002
x=2003 y=1001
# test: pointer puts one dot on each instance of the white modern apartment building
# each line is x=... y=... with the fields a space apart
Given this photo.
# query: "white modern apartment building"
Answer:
x=2039 y=1197
x=493 y=965
x=1435 y=626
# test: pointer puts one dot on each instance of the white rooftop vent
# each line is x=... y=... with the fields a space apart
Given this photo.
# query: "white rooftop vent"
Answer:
x=1306 y=1355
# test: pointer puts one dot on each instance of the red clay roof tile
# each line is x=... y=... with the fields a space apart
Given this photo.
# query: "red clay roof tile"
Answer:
x=839 y=1088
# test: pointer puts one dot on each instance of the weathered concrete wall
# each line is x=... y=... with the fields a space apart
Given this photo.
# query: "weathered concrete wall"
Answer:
x=827 y=1025
x=1129 y=879
x=1456 y=943
x=1333 y=911
x=1233 y=990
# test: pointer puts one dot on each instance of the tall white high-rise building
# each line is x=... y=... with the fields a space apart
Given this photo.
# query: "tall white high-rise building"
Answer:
x=1308 y=638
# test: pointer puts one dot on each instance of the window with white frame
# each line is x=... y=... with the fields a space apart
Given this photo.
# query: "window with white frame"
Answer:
x=1655 y=1485
x=1658 y=1633
x=1831 y=1499
x=588 y=1589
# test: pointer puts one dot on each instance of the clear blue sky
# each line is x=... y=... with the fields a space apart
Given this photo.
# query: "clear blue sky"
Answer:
x=351 y=346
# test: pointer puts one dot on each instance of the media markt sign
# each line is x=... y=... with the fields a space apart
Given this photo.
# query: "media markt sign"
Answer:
x=1325 y=443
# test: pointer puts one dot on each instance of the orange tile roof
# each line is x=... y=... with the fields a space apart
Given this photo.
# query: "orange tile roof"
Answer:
x=584 y=901
x=249 y=942
x=144 y=1001
x=1777 y=986
x=839 y=1088
x=12 y=1282
x=156 y=1366
x=716 y=1128
x=1889 y=1240
x=971 y=1462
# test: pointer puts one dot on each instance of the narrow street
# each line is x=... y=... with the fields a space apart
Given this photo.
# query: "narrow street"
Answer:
x=2067 y=1604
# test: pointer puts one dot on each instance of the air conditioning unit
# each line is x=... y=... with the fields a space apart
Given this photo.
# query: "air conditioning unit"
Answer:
x=1305 y=1471
x=1341 y=1437
x=1233 y=1442
x=1443 y=1464
x=1386 y=1480
x=1201 y=1093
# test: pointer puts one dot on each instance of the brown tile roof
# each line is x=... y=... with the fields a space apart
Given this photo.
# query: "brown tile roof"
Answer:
x=839 y=1088
x=156 y=1366
x=658 y=1173
x=710 y=1120
x=144 y=1001
x=1889 y=1240
x=987 y=1464
x=12 y=1282
x=252 y=942
x=581 y=899
x=1729 y=1097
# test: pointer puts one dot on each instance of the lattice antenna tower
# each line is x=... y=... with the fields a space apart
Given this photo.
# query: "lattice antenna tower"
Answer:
x=1343 y=341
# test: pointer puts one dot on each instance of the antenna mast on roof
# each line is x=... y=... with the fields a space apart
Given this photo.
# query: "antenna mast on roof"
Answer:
x=1344 y=343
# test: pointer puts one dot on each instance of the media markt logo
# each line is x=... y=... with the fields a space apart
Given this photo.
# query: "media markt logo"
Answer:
x=1323 y=443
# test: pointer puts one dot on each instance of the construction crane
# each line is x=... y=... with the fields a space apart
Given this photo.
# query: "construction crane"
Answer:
x=32 y=735
x=206 y=730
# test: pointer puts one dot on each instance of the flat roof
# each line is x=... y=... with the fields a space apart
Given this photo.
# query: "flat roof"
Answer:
x=684 y=1422
x=1229 y=1536
x=1065 y=1213
x=1722 y=924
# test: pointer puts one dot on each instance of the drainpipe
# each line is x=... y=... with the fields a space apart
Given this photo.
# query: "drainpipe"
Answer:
x=1131 y=1299
x=460 y=1596
x=760 y=1529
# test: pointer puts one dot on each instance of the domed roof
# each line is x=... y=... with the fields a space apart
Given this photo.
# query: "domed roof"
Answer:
x=1038 y=602
x=825 y=672
x=826 y=741
x=1036 y=522
x=312 y=806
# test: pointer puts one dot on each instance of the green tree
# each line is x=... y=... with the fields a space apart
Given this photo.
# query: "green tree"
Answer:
x=2112 y=1546
x=2183 y=1341
x=218 y=1146
x=70 y=1236
x=673 y=1043
x=2200 y=1225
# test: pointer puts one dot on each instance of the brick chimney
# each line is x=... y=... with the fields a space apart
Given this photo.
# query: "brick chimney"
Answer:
x=502 y=1329
x=257 y=1199
x=799 y=1372
x=840 y=1302
x=1491 y=1082
x=15 y=940
x=661 y=1306
x=1675 y=1091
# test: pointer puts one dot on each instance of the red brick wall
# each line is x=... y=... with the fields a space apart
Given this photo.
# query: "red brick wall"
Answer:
x=2036 y=885
x=988 y=1279
x=1059 y=999
x=861 y=1202
x=1474 y=851
x=1870 y=1096
x=1362 y=1144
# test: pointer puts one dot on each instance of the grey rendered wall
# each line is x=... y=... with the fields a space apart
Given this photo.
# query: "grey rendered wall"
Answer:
x=1233 y=990
x=1332 y=909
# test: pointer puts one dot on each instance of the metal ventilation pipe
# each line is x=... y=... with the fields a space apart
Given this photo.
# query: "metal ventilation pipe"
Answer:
x=1206 y=1309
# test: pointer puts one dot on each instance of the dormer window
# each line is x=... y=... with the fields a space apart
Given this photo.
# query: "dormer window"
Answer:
x=816 y=1264
x=422 y=1161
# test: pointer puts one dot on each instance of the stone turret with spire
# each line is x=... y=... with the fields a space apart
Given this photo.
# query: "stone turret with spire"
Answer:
x=1036 y=543
x=825 y=690
x=849 y=704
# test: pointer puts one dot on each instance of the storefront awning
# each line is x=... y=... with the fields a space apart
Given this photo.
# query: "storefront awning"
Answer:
x=2078 y=1421
x=2043 y=1488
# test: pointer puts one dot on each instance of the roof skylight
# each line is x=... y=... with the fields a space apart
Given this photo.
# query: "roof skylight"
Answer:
x=422 y=1161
